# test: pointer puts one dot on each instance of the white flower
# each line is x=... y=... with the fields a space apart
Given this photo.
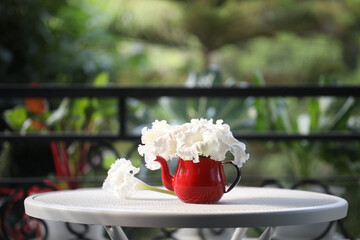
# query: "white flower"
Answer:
x=122 y=183
x=194 y=139
x=120 y=180
x=229 y=143
x=157 y=142
x=200 y=137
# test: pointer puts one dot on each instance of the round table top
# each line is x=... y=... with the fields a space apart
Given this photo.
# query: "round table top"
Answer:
x=242 y=207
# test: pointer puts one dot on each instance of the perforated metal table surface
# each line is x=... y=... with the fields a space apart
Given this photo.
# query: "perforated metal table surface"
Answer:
x=242 y=207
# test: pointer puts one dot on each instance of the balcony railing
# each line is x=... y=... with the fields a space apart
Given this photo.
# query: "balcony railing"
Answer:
x=123 y=93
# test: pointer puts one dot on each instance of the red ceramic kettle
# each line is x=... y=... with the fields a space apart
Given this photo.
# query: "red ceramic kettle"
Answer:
x=202 y=182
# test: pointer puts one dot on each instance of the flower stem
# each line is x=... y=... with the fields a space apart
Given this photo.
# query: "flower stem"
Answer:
x=144 y=186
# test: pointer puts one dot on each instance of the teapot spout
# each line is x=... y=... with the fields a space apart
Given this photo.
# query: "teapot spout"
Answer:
x=166 y=177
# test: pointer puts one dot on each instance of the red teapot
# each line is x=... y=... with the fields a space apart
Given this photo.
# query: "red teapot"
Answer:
x=201 y=182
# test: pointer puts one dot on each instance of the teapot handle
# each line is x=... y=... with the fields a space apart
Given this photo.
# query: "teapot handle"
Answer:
x=238 y=177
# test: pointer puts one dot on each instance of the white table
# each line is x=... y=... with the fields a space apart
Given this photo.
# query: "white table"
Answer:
x=241 y=208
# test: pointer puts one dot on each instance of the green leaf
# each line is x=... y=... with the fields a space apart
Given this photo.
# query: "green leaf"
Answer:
x=79 y=106
x=78 y=112
x=285 y=122
x=101 y=80
x=259 y=78
x=16 y=117
x=262 y=114
x=342 y=116
x=108 y=107
x=314 y=113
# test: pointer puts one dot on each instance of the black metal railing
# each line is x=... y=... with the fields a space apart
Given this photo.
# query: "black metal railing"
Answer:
x=124 y=93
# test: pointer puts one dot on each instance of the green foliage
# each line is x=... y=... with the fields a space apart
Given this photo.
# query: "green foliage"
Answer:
x=304 y=116
x=66 y=41
x=234 y=111
x=78 y=115
x=289 y=41
x=284 y=58
x=159 y=42
x=101 y=80
x=16 y=117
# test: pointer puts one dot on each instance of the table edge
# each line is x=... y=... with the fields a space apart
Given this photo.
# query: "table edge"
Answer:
x=337 y=211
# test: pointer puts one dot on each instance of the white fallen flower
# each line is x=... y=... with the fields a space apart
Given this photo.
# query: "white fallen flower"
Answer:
x=122 y=183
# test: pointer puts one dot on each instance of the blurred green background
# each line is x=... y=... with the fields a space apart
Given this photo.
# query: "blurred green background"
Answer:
x=200 y=43
x=159 y=42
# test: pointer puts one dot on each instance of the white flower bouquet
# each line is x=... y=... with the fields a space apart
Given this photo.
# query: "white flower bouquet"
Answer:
x=200 y=137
